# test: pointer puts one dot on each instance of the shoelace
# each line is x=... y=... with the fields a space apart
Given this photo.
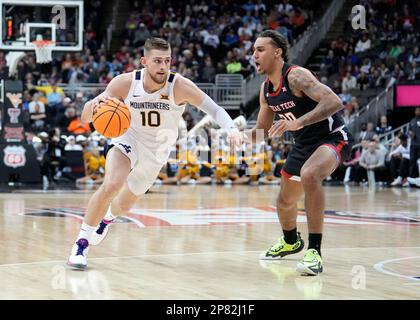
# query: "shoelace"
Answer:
x=80 y=250
x=277 y=246
x=310 y=257
x=101 y=228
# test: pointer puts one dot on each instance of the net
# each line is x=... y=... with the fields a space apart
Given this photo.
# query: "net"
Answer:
x=43 y=50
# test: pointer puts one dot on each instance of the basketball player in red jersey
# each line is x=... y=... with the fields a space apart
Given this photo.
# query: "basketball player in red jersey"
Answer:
x=308 y=109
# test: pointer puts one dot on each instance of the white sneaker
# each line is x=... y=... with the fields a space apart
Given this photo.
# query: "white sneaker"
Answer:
x=414 y=181
x=396 y=182
x=79 y=251
x=99 y=235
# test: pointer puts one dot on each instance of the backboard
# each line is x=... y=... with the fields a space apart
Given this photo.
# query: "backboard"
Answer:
x=24 y=21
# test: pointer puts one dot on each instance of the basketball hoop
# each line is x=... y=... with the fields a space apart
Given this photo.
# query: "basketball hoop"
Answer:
x=43 y=50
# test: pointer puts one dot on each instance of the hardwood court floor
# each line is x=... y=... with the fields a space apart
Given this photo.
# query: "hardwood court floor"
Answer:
x=203 y=242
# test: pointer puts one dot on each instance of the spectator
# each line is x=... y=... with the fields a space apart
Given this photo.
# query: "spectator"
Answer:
x=94 y=167
x=400 y=163
x=413 y=71
x=353 y=164
x=231 y=39
x=298 y=22
x=414 y=56
x=346 y=116
x=372 y=160
x=41 y=146
x=208 y=72
x=363 y=44
x=285 y=7
x=211 y=39
x=77 y=127
x=397 y=73
x=345 y=96
x=71 y=144
x=79 y=102
x=244 y=31
x=141 y=35
x=362 y=81
x=234 y=66
x=383 y=126
x=395 y=51
x=55 y=101
x=366 y=132
x=383 y=151
x=353 y=106
x=349 y=82
x=37 y=113
x=68 y=116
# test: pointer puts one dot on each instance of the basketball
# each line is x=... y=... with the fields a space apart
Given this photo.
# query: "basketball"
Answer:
x=111 y=118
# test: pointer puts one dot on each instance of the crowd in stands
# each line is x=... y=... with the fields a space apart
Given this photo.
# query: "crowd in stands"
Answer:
x=394 y=164
x=360 y=60
x=207 y=38
x=216 y=37
x=357 y=66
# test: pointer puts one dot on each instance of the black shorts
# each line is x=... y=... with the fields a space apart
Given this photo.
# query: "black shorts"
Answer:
x=341 y=142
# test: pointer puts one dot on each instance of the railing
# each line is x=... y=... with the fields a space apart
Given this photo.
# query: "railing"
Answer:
x=230 y=89
x=252 y=86
x=388 y=138
x=227 y=91
x=374 y=109
x=89 y=90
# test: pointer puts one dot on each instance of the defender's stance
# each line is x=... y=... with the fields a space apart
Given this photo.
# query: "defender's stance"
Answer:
x=308 y=109
x=156 y=98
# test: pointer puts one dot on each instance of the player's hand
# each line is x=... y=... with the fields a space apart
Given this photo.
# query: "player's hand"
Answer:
x=98 y=100
x=281 y=126
x=234 y=137
x=94 y=104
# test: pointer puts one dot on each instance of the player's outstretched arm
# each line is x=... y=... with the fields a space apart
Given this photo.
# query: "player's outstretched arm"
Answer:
x=118 y=87
x=187 y=91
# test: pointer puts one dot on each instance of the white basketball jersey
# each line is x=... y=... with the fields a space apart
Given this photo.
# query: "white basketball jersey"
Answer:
x=154 y=116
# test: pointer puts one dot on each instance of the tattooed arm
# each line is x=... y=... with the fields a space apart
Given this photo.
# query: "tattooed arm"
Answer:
x=302 y=81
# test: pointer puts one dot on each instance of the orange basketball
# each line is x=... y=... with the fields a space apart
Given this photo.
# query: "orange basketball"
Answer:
x=111 y=118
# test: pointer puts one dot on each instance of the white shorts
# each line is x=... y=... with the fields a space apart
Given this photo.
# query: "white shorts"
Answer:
x=145 y=164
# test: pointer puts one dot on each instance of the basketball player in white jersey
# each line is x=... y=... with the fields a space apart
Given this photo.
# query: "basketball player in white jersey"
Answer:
x=156 y=98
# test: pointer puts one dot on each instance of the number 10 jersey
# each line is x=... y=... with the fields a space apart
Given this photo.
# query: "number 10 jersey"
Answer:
x=154 y=122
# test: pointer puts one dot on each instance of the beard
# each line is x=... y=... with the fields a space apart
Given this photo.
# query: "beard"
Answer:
x=158 y=79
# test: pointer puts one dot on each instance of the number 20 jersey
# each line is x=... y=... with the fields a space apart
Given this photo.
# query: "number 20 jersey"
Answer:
x=291 y=107
x=155 y=116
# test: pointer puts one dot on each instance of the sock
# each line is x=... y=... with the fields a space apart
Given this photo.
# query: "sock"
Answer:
x=109 y=217
x=315 y=241
x=85 y=232
x=290 y=236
